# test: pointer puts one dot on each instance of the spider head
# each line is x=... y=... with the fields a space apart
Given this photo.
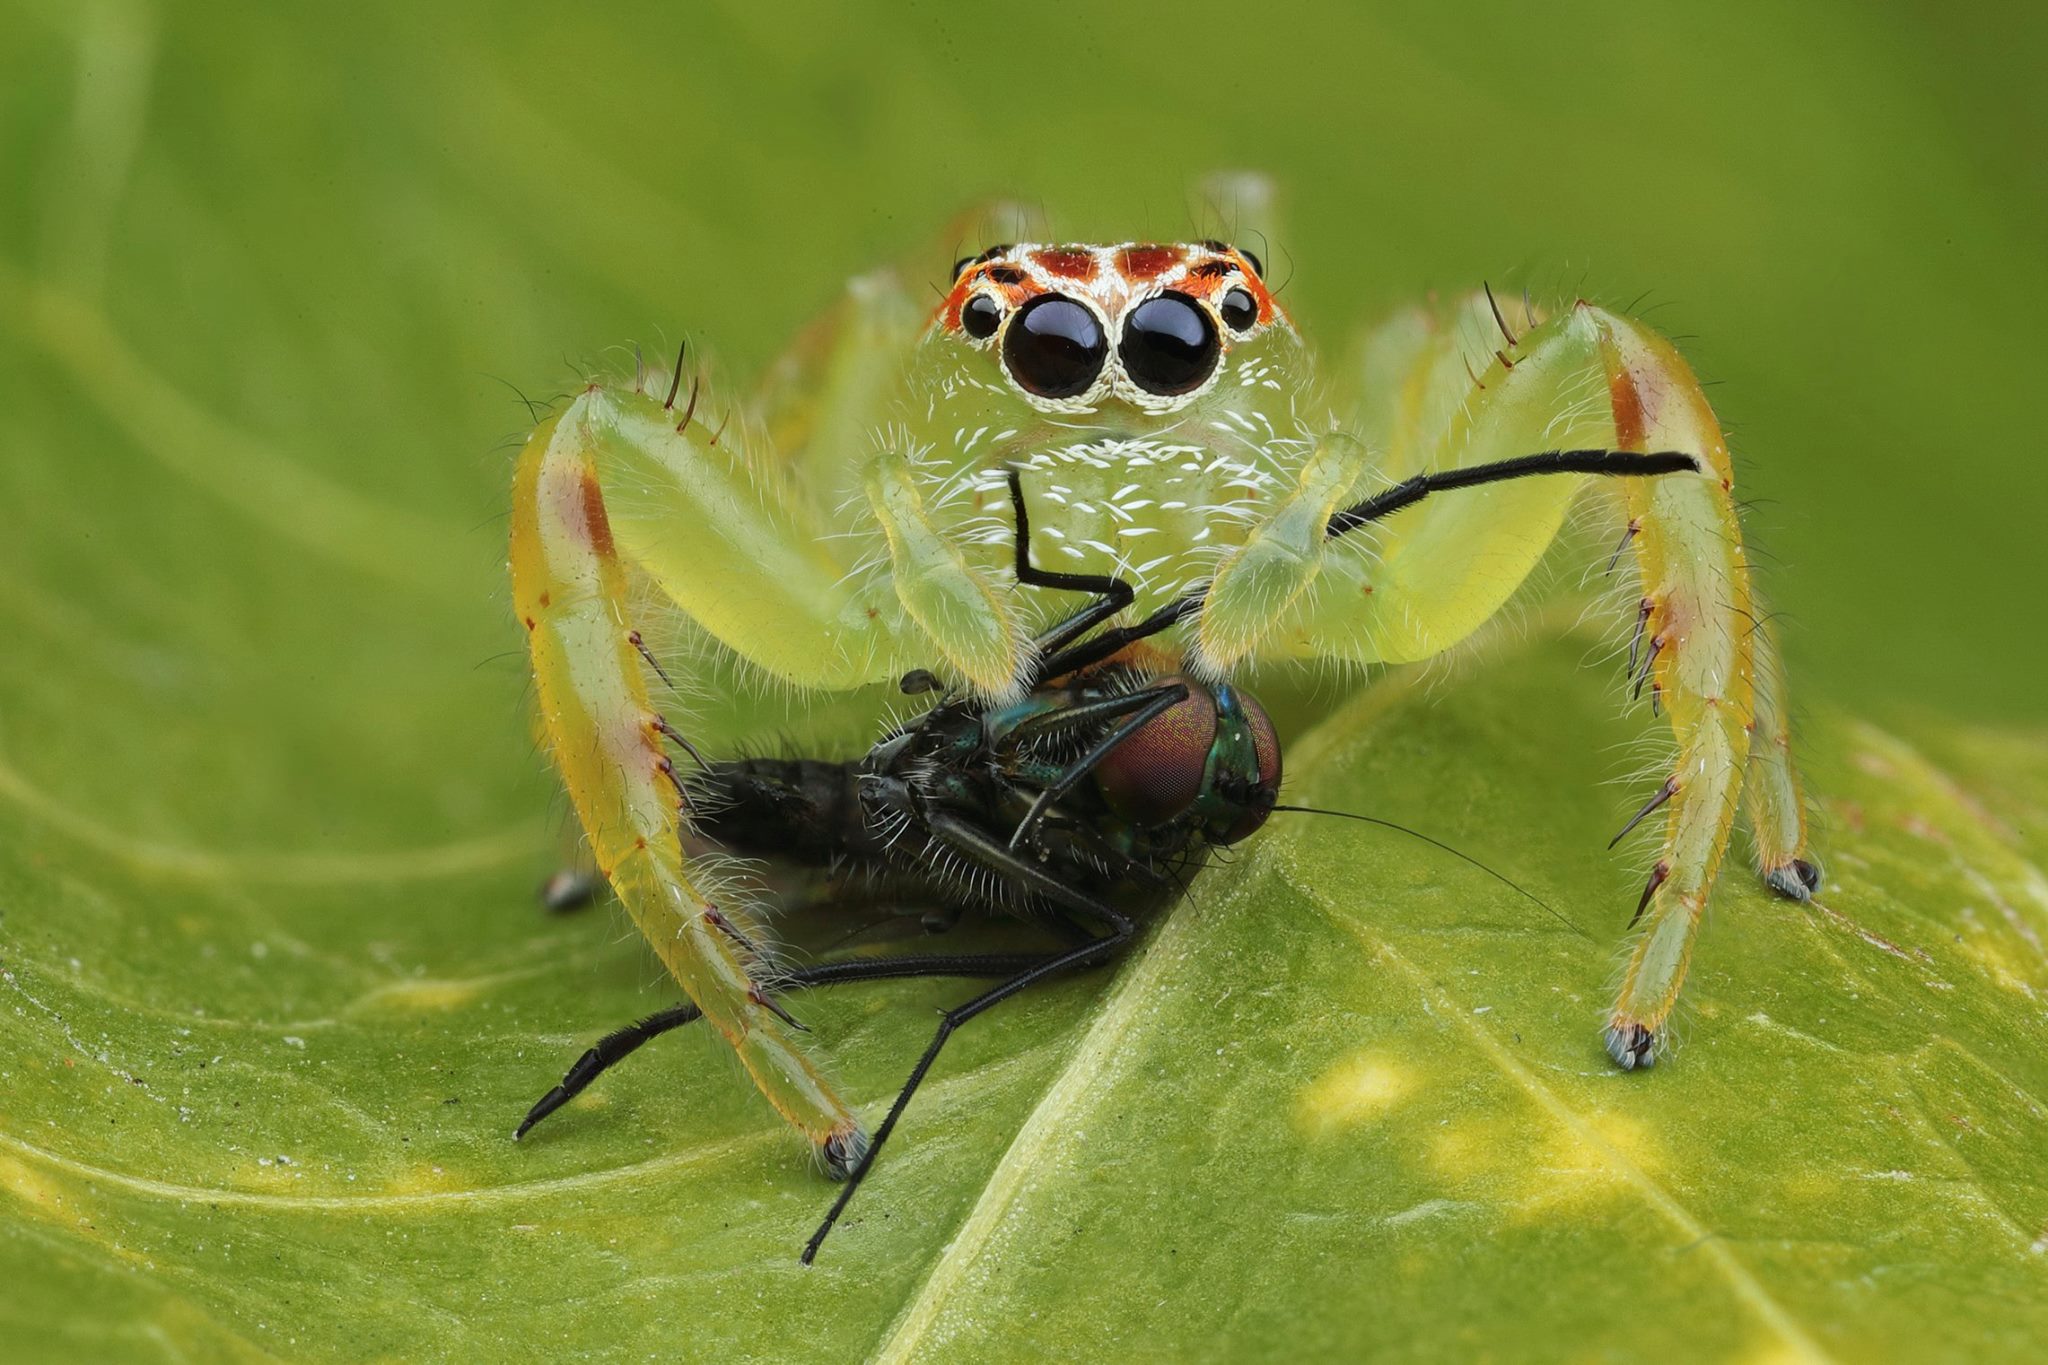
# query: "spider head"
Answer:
x=1148 y=328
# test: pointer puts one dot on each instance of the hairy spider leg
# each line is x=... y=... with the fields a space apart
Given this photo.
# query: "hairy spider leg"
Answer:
x=627 y=485
x=1109 y=643
x=966 y=841
x=622 y=1043
x=1585 y=378
x=570 y=590
x=1771 y=799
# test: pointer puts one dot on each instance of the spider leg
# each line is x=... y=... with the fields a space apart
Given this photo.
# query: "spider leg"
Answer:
x=1772 y=802
x=1412 y=587
x=571 y=561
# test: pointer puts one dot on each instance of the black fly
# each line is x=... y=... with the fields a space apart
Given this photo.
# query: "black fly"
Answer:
x=1078 y=807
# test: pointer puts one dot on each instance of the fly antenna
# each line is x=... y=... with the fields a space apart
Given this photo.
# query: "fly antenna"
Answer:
x=1438 y=843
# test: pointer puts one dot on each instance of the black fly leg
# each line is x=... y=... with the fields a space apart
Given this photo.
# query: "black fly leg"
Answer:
x=972 y=844
x=1115 y=594
x=609 y=1051
x=1058 y=654
x=620 y=1044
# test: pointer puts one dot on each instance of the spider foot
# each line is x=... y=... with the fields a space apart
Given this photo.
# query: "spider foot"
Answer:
x=1632 y=1045
x=1796 y=880
x=842 y=1151
x=568 y=889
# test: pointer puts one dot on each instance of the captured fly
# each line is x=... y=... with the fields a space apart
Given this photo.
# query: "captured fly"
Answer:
x=1077 y=808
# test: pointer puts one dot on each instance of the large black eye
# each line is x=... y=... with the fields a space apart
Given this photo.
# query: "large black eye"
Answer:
x=979 y=316
x=1054 y=347
x=1169 y=344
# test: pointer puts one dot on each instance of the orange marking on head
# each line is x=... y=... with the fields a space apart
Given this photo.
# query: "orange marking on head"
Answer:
x=1139 y=263
x=1225 y=270
x=1065 y=263
x=1007 y=280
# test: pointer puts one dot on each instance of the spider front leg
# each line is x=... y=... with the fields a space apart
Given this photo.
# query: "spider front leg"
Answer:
x=570 y=590
x=1317 y=580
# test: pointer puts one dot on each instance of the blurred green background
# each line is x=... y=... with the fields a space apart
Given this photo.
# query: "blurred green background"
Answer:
x=335 y=228
x=270 y=274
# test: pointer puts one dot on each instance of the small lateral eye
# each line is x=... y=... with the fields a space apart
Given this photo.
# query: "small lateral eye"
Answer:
x=1054 y=347
x=962 y=264
x=1258 y=266
x=979 y=316
x=1169 y=345
x=1240 y=314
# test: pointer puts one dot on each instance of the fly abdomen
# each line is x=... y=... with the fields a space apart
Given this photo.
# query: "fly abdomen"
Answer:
x=797 y=810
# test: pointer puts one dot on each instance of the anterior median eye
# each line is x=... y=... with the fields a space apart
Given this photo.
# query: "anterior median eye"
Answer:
x=1054 y=347
x=1169 y=345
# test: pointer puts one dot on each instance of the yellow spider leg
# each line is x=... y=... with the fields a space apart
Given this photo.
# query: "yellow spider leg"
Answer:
x=1414 y=371
x=822 y=400
x=569 y=588
x=959 y=606
x=737 y=546
x=824 y=404
x=1771 y=798
x=1699 y=651
x=1417 y=585
x=1423 y=581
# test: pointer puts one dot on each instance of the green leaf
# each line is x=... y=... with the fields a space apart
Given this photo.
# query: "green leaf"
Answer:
x=274 y=987
x=1349 y=1097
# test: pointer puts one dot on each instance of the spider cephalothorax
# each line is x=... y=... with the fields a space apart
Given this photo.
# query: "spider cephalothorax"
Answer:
x=1172 y=435
x=1158 y=394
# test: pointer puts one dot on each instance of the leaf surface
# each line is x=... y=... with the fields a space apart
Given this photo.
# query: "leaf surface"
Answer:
x=274 y=988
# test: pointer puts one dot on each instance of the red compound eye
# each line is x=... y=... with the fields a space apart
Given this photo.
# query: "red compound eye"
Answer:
x=1155 y=775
